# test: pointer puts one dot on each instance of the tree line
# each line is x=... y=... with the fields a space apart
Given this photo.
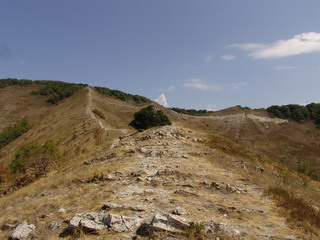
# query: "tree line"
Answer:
x=297 y=112
x=57 y=90
x=122 y=95
x=189 y=111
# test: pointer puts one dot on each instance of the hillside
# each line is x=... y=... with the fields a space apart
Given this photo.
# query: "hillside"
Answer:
x=201 y=178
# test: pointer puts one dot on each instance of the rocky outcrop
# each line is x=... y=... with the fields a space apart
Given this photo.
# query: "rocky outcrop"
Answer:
x=118 y=223
x=180 y=211
x=99 y=220
x=89 y=221
x=22 y=231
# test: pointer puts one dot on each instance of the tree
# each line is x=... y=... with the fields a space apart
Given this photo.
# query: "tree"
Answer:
x=148 y=117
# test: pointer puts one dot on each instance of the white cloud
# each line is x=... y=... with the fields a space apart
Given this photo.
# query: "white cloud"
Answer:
x=299 y=44
x=208 y=58
x=248 y=46
x=162 y=100
x=227 y=57
x=201 y=85
x=284 y=68
x=235 y=86
x=169 y=89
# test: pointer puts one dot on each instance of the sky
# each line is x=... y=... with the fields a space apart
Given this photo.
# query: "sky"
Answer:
x=198 y=54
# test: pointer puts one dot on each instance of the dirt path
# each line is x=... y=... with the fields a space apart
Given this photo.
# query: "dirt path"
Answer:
x=90 y=108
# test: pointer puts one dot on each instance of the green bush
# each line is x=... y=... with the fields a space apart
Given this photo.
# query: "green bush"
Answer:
x=305 y=168
x=11 y=133
x=148 y=117
x=35 y=156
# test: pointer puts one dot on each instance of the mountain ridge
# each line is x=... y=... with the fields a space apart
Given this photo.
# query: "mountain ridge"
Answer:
x=218 y=158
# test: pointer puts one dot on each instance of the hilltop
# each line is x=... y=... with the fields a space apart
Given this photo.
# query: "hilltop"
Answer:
x=230 y=174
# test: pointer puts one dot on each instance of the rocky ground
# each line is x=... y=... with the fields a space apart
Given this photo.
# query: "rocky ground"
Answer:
x=166 y=179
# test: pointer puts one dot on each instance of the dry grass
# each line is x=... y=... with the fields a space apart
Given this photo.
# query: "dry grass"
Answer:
x=297 y=209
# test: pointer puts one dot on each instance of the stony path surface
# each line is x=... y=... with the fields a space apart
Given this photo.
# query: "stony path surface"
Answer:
x=169 y=167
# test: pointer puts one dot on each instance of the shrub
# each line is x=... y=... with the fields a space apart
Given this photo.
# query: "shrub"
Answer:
x=305 y=168
x=148 y=117
x=35 y=156
x=11 y=133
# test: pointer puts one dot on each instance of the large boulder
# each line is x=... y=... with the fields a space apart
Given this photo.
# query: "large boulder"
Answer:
x=165 y=222
x=90 y=221
x=23 y=230
x=100 y=220
x=120 y=223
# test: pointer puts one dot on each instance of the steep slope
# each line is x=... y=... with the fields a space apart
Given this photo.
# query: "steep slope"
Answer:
x=17 y=103
x=72 y=123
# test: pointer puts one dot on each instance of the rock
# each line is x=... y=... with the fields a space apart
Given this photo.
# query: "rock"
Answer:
x=110 y=156
x=90 y=221
x=23 y=230
x=180 y=211
x=62 y=210
x=168 y=222
x=125 y=207
x=139 y=173
x=54 y=225
x=314 y=207
x=216 y=185
x=99 y=221
x=120 y=223
x=221 y=228
x=260 y=169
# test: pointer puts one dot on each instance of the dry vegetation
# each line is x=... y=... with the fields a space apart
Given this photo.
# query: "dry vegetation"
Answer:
x=240 y=156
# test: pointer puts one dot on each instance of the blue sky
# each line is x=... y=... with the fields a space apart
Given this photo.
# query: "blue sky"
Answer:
x=202 y=54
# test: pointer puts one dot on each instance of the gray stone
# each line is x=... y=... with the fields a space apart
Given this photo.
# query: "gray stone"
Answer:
x=54 y=225
x=120 y=223
x=23 y=230
x=62 y=210
x=91 y=221
x=180 y=211
x=213 y=227
x=168 y=222
x=122 y=207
